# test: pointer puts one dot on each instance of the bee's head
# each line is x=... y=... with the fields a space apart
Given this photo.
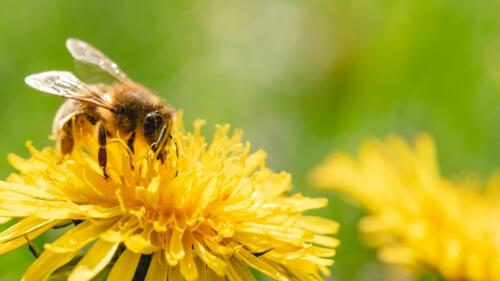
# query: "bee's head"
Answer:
x=156 y=127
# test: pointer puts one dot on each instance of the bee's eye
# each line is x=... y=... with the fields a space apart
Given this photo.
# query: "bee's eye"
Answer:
x=153 y=122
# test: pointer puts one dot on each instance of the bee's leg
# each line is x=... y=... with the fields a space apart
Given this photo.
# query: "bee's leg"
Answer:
x=162 y=155
x=66 y=140
x=33 y=249
x=130 y=142
x=102 y=155
x=67 y=143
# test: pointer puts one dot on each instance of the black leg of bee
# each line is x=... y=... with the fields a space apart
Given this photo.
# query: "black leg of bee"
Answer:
x=162 y=155
x=102 y=156
x=130 y=142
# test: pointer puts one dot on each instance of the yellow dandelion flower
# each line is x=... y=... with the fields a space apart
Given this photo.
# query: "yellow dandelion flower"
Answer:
x=416 y=217
x=209 y=211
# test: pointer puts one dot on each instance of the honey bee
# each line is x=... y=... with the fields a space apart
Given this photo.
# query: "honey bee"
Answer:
x=123 y=108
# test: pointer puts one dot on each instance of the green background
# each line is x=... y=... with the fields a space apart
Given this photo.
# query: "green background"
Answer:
x=302 y=78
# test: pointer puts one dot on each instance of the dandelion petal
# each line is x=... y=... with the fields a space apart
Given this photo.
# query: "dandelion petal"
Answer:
x=157 y=271
x=94 y=261
x=125 y=266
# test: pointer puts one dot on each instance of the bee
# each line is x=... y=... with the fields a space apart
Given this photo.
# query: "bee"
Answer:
x=121 y=109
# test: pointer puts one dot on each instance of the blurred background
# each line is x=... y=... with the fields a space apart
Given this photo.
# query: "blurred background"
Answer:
x=302 y=78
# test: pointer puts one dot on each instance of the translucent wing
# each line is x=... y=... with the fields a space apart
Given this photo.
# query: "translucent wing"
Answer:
x=86 y=53
x=93 y=75
x=65 y=84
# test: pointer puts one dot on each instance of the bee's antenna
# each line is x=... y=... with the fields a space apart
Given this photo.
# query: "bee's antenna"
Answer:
x=161 y=140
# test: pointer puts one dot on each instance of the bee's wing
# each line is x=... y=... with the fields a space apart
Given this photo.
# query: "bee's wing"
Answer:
x=65 y=84
x=88 y=54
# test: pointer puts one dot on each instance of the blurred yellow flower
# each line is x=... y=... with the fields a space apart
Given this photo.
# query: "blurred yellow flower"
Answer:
x=209 y=212
x=416 y=217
